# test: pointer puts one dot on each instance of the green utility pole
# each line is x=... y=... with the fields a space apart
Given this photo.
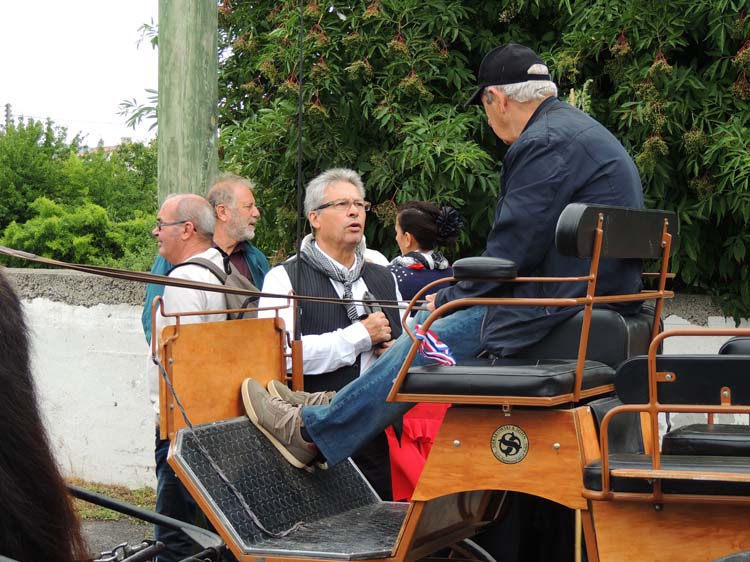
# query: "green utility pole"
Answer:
x=188 y=90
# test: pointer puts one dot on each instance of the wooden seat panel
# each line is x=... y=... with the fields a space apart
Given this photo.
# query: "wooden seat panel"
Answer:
x=207 y=363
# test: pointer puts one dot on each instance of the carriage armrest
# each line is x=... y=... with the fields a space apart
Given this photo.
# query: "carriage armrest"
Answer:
x=484 y=267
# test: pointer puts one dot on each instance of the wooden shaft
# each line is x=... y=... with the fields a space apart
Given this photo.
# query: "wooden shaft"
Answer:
x=188 y=94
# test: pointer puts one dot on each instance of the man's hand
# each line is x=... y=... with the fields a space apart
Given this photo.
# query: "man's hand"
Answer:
x=378 y=327
x=430 y=300
x=382 y=348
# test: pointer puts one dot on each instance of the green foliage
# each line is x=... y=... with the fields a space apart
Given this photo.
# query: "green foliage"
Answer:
x=32 y=156
x=93 y=207
x=384 y=81
x=382 y=84
x=670 y=80
x=122 y=181
x=81 y=234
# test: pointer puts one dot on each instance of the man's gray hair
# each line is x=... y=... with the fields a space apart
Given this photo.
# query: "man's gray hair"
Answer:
x=222 y=190
x=198 y=211
x=316 y=189
x=531 y=90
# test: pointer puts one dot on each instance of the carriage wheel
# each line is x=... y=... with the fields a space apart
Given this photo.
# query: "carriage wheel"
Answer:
x=467 y=549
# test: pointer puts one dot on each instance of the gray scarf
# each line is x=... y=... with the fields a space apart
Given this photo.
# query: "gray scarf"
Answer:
x=316 y=258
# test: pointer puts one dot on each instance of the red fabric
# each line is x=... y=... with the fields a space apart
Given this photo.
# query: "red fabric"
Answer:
x=420 y=427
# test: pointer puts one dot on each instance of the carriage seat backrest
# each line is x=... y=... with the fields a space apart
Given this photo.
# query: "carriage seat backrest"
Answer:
x=613 y=338
x=698 y=379
x=719 y=439
x=627 y=233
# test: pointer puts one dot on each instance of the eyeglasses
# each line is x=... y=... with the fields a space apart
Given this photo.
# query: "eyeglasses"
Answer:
x=159 y=224
x=343 y=205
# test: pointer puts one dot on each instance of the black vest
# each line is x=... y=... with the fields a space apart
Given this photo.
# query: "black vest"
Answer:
x=324 y=317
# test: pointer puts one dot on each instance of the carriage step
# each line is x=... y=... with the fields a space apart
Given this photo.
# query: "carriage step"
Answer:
x=680 y=474
x=341 y=516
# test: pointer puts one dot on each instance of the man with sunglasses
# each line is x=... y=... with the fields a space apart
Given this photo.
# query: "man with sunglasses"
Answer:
x=339 y=340
x=184 y=230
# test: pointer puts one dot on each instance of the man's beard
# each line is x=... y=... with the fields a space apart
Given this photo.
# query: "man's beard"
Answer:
x=240 y=232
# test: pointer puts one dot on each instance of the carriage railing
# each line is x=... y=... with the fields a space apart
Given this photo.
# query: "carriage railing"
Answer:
x=656 y=473
x=587 y=302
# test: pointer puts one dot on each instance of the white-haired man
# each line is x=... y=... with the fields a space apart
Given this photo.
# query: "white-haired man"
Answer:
x=557 y=155
x=339 y=340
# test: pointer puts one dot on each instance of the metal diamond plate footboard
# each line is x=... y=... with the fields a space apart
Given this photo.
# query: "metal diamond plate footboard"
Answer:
x=341 y=515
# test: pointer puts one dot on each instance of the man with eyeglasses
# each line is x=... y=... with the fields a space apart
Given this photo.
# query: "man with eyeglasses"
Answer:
x=339 y=340
x=237 y=215
x=184 y=230
x=557 y=155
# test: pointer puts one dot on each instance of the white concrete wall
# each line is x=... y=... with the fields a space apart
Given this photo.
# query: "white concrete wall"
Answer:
x=90 y=370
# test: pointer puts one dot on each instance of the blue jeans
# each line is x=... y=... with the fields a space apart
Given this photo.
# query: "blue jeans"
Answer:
x=359 y=411
x=173 y=500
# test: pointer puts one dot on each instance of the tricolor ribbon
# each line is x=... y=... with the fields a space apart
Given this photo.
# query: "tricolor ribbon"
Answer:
x=432 y=348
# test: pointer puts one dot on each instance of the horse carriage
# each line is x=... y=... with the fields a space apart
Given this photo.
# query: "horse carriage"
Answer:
x=573 y=420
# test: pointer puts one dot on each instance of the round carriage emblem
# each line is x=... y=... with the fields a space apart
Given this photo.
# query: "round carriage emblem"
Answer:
x=509 y=444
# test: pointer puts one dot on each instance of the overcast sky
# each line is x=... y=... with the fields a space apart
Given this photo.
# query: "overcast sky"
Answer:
x=74 y=61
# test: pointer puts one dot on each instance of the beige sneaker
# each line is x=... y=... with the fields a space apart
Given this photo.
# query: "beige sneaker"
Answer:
x=279 y=421
x=297 y=397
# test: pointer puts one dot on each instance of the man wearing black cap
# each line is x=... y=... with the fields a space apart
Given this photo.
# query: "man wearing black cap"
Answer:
x=557 y=155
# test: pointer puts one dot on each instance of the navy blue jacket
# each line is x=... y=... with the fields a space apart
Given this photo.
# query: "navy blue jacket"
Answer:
x=410 y=281
x=563 y=156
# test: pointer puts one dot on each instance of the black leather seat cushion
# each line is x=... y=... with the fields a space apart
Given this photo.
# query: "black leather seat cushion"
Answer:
x=505 y=377
x=739 y=345
x=717 y=439
x=702 y=439
x=592 y=474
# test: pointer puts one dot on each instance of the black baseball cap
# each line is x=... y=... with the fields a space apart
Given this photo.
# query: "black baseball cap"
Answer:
x=506 y=64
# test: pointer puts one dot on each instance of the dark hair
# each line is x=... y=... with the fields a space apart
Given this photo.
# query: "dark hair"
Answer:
x=37 y=519
x=429 y=224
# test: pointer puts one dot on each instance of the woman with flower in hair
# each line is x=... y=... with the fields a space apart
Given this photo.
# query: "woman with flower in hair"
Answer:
x=420 y=228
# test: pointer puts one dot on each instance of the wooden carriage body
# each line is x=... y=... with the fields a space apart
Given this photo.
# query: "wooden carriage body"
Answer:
x=540 y=425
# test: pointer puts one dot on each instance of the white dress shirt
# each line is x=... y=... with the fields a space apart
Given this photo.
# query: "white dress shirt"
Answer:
x=180 y=299
x=322 y=353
